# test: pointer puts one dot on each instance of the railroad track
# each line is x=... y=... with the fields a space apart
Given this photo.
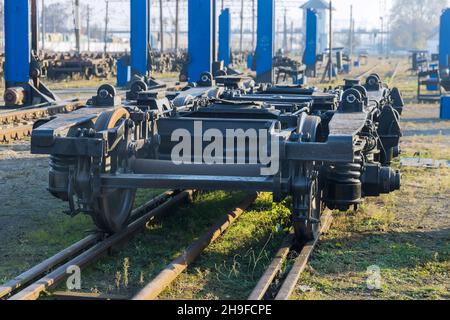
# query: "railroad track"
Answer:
x=268 y=287
x=263 y=288
x=32 y=283
x=367 y=72
x=153 y=289
x=394 y=74
x=53 y=271
x=18 y=124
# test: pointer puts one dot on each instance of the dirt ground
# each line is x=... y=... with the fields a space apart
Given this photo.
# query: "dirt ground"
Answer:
x=405 y=235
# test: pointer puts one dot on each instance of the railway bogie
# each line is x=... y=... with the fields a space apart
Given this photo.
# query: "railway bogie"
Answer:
x=322 y=149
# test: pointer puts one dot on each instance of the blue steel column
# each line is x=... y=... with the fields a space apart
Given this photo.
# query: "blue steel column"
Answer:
x=17 y=42
x=265 y=41
x=139 y=37
x=225 y=37
x=200 y=37
x=444 y=40
x=310 y=57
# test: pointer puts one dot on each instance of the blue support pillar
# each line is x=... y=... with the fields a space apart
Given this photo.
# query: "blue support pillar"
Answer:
x=139 y=37
x=225 y=37
x=310 y=56
x=200 y=37
x=265 y=41
x=444 y=40
x=17 y=42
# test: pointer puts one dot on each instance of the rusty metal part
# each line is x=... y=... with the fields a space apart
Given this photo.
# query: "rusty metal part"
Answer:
x=14 y=96
x=20 y=130
x=33 y=291
x=15 y=133
x=35 y=113
x=174 y=269
x=291 y=280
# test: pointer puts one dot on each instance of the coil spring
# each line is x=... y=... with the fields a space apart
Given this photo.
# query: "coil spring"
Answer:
x=61 y=163
x=347 y=173
x=58 y=181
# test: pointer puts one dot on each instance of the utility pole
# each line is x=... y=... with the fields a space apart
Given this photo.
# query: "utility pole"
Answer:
x=330 y=45
x=241 y=35
x=177 y=23
x=106 y=26
x=253 y=24
x=88 y=27
x=76 y=19
x=292 y=36
x=214 y=31
x=2 y=27
x=161 y=25
x=382 y=36
x=350 y=36
x=34 y=26
x=329 y=68
x=285 y=30
x=388 y=39
x=43 y=25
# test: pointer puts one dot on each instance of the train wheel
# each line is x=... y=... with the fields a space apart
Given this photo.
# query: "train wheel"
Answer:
x=88 y=74
x=307 y=213
x=113 y=208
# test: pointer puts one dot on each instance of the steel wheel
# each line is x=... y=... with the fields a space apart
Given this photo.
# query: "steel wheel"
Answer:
x=307 y=215
x=113 y=208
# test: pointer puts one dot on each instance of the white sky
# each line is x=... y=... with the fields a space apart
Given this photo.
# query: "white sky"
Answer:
x=367 y=13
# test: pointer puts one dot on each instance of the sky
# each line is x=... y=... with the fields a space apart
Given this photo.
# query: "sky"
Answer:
x=367 y=13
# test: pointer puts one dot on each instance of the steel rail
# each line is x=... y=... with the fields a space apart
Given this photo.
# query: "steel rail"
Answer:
x=273 y=270
x=68 y=253
x=33 y=291
x=394 y=74
x=152 y=290
x=359 y=77
x=300 y=263
x=275 y=267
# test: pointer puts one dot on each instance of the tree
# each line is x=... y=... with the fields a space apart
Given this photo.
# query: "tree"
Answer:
x=413 y=21
x=57 y=17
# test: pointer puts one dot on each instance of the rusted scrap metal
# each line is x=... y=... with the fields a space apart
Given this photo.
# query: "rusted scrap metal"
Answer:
x=15 y=133
x=18 y=124
x=85 y=65
x=35 y=113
